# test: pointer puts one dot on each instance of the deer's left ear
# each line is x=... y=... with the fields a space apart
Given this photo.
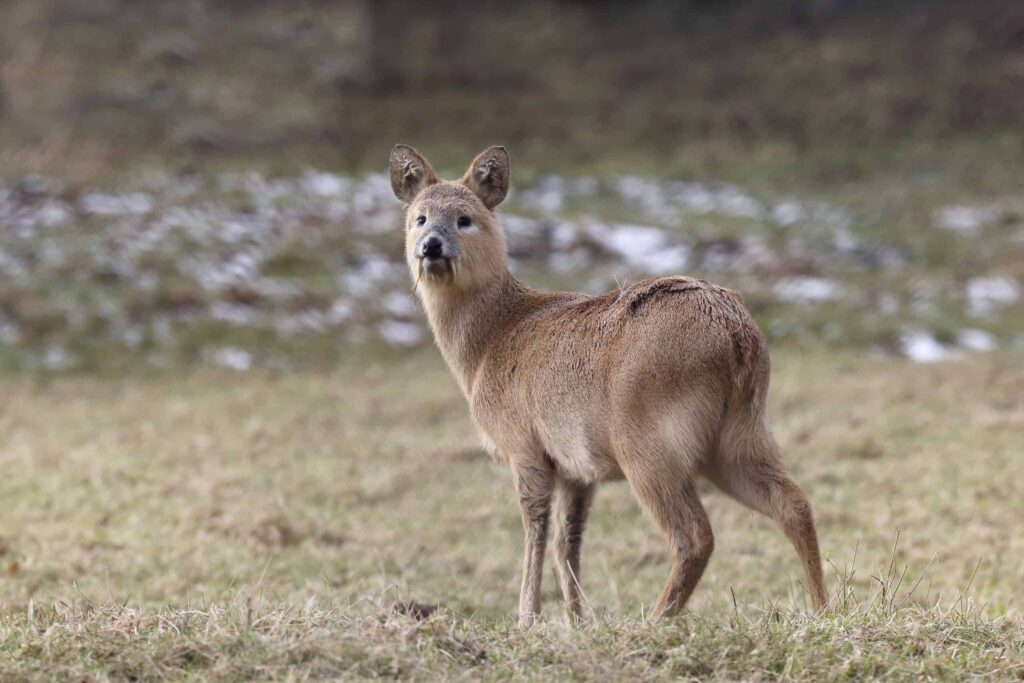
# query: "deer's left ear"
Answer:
x=488 y=176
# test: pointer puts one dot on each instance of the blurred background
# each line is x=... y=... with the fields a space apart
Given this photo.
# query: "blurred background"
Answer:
x=201 y=181
x=222 y=417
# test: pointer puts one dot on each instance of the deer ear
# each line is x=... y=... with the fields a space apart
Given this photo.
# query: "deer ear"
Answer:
x=488 y=176
x=410 y=173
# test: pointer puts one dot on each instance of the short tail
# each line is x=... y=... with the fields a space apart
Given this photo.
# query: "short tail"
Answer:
x=752 y=368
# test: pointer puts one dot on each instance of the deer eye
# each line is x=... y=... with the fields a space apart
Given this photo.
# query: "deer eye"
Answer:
x=464 y=222
x=421 y=220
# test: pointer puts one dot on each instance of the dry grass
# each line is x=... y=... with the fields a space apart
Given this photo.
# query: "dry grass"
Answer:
x=243 y=641
x=238 y=526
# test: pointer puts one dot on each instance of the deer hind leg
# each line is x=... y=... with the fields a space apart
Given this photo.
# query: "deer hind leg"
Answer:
x=534 y=482
x=572 y=505
x=749 y=469
x=663 y=483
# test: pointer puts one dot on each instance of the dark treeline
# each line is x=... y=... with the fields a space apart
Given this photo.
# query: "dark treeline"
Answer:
x=332 y=82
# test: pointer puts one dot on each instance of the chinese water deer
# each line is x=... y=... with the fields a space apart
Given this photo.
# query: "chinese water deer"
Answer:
x=657 y=382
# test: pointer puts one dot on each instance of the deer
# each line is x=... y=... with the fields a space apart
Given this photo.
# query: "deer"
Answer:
x=659 y=382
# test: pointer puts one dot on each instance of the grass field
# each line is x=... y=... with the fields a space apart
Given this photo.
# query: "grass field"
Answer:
x=272 y=525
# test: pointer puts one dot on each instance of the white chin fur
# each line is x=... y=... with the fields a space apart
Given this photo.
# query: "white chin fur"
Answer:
x=437 y=271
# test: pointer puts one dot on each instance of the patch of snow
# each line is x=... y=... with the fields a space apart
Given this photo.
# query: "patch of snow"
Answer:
x=101 y=204
x=234 y=232
x=53 y=213
x=567 y=261
x=56 y=358
x=132 y=335
x=309 y=320
x=888 y=304
x=644 y=192
x=364 y=278
x=976 y=340
x=548 y=195
x=398 y=303
x=372 y=197
x=585 y=186
x=323 y=184
x=922 y=347
x=720 y=256
x=788 y=213
x=832 y=216
x=233 y=314
x=964 y=219
x=667 y=261
x=642 y=246
x=340 y=311
x=633 y=242
x=807 y=290
x=230 y=357
x=694 y=197
x=12 y=266
x=400 y=333
x=732 y=201
x=843 y=240
x=147 y=282
x=564 y=236
x=984 y=294
x=10 y=331
x=755 y=254
x=702 y=198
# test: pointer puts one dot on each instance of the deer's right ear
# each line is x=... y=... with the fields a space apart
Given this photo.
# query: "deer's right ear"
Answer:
x=410 y=173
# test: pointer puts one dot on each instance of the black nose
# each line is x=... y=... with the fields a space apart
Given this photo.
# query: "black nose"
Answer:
x=432 y=247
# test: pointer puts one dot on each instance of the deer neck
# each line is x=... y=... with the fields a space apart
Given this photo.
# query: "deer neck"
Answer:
x=466 y=323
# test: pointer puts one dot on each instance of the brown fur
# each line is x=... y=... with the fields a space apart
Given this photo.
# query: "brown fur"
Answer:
x=658 y=382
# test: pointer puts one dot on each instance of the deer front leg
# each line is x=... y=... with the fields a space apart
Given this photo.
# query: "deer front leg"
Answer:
x=534 y=482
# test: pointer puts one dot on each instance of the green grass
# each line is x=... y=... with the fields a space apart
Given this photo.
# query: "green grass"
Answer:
x=265 y=525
